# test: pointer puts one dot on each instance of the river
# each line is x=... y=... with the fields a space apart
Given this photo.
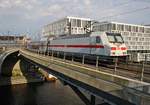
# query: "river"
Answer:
x=38 y=94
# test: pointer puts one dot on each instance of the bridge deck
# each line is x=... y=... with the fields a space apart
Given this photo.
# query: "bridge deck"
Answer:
x=134 y=91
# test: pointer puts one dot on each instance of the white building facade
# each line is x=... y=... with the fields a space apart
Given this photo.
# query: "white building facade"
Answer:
x=66 y=26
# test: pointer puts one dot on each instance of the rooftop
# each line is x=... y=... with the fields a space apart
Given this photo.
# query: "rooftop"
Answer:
x=106 y=22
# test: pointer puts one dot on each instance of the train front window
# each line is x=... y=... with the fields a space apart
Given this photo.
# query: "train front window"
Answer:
x=111 y=38
x=115 y=37
x=119 y=39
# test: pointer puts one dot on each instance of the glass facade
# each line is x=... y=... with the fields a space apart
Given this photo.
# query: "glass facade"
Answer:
x=136 y=37
x=68 y=25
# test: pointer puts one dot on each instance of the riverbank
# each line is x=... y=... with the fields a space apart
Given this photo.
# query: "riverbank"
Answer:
x=19 y=80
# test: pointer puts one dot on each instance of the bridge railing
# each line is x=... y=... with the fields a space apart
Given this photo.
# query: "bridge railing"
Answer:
x=117 y=66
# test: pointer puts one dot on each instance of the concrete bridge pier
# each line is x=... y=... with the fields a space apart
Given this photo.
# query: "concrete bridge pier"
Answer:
x=83 y=97
x=87 y=101
x=8 y=64
x=26 y=66
x=13 y=61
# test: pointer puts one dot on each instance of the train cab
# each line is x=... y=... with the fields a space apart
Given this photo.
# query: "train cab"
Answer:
x=117 y=45
x=113 y=44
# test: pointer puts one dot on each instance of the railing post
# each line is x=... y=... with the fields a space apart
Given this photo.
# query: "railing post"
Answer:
x=72 y=58
x=92 y=100
x=127 y=59
x=44 y=53
x=97 y=61
x=64 y=56
x=116 y=64
x=58 y=54
x=52 y=54
x=83 y=59
x=38 y=52
x=49 y=53
x=146 y=59
x=142 y=72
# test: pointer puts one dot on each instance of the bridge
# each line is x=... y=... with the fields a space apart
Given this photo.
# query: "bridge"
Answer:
x=7 y=61
x=114 y=89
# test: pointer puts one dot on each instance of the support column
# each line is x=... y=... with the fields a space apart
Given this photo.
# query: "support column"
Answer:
x=92 y=100
x=81 y=95
x=72 y=58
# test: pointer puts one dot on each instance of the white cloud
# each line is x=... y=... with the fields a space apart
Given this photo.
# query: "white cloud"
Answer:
x=26 y=4
x=87 y=2
x=5 y=4
x=51 y=10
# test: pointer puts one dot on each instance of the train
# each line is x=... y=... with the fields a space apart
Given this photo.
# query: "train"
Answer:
x=104 y=44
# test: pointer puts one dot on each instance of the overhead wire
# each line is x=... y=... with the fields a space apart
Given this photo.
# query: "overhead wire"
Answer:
x=117 y=5
x=146 y=1
x=128 y=12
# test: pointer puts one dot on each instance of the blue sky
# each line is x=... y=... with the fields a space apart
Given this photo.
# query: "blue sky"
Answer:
x=28 y=16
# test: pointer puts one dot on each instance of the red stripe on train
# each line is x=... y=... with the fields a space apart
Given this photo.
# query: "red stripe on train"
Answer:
x=56 y=46
x=78 y=46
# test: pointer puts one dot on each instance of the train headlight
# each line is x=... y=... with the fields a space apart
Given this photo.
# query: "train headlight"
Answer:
x=123 y=48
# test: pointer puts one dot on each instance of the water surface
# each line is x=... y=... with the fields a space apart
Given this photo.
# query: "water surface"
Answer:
x=38 y=94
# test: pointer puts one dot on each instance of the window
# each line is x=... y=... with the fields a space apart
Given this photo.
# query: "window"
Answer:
x=108 y=27
x=147 y=30
x=111 y=38
x=146 y=35
x=78 y=23
x=120 y=27
x=113 y=26
x=127 y=28
x=133 y=29
x=119 y=39
x=73 y=22
x=115 y=37
x=98 y=40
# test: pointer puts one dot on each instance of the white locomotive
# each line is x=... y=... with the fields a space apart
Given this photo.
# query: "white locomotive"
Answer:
x=97 y=43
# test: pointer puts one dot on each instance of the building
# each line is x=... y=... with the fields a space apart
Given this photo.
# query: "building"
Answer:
x=12 y=41
x=66 y=26
x=136 y=37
